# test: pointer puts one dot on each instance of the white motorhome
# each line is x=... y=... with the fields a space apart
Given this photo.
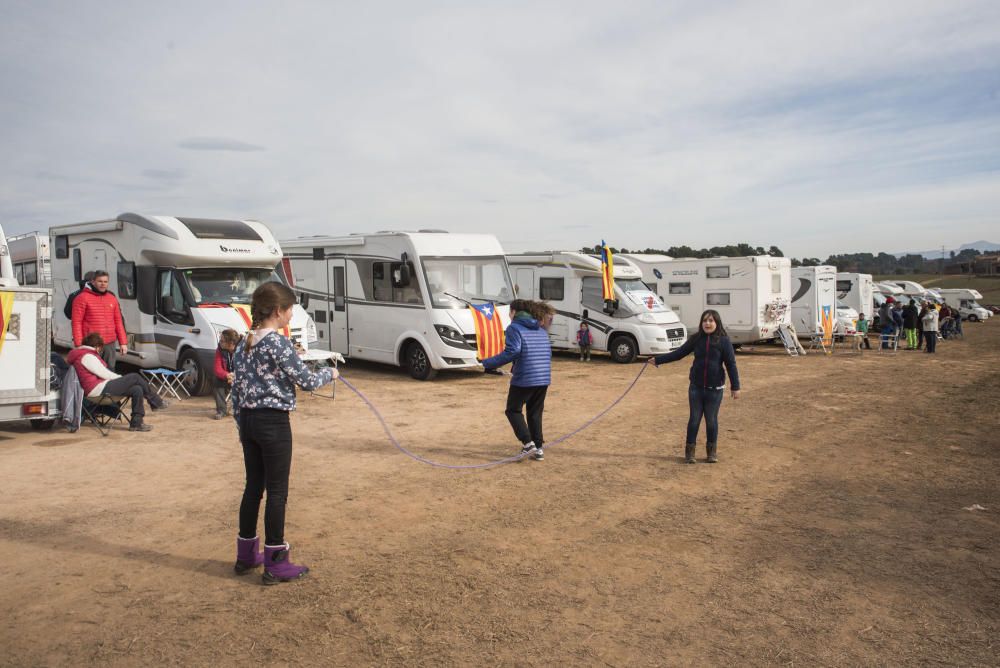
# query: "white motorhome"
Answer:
x=910 y=289
x=29 y=254
x=400 y=298
x=751 y=294
x=639 y=324
x=966 y=301
x=25 y=345
x=814 y=300
x=855 y=291
x=180 y=282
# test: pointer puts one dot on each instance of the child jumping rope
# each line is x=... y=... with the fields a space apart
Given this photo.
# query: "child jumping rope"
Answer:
x=712 y=349
x=266 y=371
x=528 y=347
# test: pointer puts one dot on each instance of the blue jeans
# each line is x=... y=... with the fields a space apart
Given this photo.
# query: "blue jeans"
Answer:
x=704 y=402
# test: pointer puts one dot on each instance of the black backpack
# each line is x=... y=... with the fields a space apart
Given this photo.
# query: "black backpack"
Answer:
x=68 y=308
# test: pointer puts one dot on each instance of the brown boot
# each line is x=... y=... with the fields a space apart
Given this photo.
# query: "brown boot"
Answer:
x=712 y=459
x=689 y=453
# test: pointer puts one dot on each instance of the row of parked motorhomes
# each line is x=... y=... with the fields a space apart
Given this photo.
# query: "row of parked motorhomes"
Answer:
x=401 y=298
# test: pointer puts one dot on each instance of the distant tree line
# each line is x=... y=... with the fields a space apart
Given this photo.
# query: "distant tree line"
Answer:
x=865 y=263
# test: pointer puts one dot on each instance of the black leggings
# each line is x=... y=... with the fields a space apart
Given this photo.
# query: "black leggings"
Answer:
x=135 y=386
x=266 y=436
x=703 y=402
x=534 y=397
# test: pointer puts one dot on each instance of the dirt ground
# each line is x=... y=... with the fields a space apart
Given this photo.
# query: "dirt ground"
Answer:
x=835 y=530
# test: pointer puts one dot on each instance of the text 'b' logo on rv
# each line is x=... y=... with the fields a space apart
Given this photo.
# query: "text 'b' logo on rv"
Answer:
x=226 y=249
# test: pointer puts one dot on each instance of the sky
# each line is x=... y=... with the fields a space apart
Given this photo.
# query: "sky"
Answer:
x=819 y=127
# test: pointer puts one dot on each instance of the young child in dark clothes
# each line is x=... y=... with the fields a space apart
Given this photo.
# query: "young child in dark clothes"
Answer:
x=228 y=341
x=585 y=340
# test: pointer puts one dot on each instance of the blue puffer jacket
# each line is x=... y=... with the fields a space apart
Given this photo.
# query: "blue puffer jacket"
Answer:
x=529 y=349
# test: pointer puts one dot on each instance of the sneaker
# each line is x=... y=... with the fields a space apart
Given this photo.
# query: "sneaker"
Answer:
x=539 y=455
x=218 y=416
x=160 y=406
x=527 y=449
x=140 y=426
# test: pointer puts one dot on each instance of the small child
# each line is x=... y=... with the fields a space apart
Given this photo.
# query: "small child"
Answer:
x=228 y=341
x=585 y=340
x=862 y=334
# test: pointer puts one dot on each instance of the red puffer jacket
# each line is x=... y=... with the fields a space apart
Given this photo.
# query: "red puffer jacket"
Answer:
x=97 y=312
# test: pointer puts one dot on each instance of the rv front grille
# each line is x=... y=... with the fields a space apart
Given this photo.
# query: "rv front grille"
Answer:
x=677 y=333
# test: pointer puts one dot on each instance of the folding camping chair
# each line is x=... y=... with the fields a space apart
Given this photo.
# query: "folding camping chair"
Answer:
x=167 y=382
x=819 y=341
x=104 y=411
x=888 y=342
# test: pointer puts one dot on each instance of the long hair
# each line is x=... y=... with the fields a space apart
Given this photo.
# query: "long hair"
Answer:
x=269 y=298
x=720 y=330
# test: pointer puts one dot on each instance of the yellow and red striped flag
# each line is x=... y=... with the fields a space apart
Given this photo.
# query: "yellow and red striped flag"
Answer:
x=607 y=272
x=244 y=311
x=489 y=330
x=6 y=308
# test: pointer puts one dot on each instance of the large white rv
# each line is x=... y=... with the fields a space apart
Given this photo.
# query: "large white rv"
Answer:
x=29 y=254
x=6 y=267
x=751 y=294
x=638 y=324
x=814 y=300
x=400 y=297
x=966 y=301
x=855 y=290
x=180 y=282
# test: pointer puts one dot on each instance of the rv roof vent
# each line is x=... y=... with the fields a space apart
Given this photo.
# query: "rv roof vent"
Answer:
x=433 y=231
x=207 y=228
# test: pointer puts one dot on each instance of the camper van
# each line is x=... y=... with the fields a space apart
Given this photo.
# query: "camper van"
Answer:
x=910 y=289
x=814 y=300
x=855 y=291
x=25 y=345
x=966 y=301
x=180 y=282
x=29 y=253
x=635 y=323
x=400 y=298
x=751 y=294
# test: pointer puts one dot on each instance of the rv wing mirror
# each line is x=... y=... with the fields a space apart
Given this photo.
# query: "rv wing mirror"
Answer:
x=610 y=306
x=401 y=275
x=168 y=305
x=586 y=314
x=304 y=300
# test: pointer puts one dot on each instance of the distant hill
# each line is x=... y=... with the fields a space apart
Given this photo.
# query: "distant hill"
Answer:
x=982 y=246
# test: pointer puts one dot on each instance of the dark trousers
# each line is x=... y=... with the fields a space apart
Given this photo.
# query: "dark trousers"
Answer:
x=703 y=402
x=931 y=339
x=220 y=392
x=135 y=386
x=109 y=353
x=266 y=436
x=920 y=336
x=534 y=397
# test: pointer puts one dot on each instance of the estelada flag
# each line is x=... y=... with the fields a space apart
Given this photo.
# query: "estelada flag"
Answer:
x=489 y=330
x=607 y=273
x=244 y=311
x=6 y=308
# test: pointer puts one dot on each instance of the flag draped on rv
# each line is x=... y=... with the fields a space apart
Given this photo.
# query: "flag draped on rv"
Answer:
x=607 y=272
x=6 y=307
x=489 y=330
x=244 y=311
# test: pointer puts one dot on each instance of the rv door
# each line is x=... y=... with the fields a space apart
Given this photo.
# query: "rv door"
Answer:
x=173 y=316
x=339 y=326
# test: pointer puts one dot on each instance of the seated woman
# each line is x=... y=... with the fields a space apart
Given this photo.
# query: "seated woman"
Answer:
x=97 y=379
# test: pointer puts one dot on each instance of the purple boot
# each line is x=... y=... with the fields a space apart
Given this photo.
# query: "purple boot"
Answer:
x=277 y=567
x=248 y=555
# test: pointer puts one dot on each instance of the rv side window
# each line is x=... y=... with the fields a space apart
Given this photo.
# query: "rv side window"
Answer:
x=30 y=273
x=551 y=288
x=592 y=296
x=62 y=247
x=19 y=274
x=171 y=298
x=339 y=293
x=680 y=288
x=126 y=280
x=844 y=286
x=717 y=298
x=775 y=283
x=383 y=290
x=77 y=265
x=717 y=272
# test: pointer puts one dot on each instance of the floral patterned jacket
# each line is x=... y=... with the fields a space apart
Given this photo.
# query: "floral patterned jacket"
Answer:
x=266 y=375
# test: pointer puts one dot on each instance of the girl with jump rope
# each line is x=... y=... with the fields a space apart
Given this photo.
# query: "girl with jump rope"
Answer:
x=266 y=370
x=712 y=350
x=528 y=348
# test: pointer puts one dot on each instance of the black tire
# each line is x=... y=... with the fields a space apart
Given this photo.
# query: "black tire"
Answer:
x=43 y=425
x=973 y=318
x=199 y=382
x=623 y=349
x=418 y=363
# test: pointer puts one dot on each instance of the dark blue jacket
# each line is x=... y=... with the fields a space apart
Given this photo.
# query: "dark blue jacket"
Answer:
x=528 y=347
x=709 y=358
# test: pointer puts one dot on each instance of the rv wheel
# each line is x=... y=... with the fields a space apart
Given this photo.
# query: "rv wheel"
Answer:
x=973 y=318
x=196 y=382
x=418 y=364
x=622 y=349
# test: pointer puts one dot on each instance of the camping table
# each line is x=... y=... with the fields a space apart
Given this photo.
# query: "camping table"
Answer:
x=167 y=382
x=315 y=359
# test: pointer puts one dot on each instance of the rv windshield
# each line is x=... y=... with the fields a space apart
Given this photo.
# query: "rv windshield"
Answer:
x=474 y=279
x=226 y=285
x=643 y=299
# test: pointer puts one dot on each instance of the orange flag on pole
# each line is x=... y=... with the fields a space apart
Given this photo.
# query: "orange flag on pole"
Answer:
x=607 y=272
x=490 y=338
x=6 y=308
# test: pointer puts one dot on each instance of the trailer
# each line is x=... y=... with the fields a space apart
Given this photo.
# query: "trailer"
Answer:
x=814 y=300
x=751 y=294
x=179 y=281
x=637 y=322
x=398 y=297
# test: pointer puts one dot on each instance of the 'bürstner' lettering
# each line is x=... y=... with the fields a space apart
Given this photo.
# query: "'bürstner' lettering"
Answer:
x=224 y=249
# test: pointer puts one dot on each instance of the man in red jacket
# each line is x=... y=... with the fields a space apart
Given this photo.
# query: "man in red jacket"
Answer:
x=96 y=309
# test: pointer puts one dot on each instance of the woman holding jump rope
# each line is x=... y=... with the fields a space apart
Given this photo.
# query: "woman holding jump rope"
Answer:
x=712 y=350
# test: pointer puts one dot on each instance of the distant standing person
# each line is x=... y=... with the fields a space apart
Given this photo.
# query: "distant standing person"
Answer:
x=96 y=309
x=712 y=351
x=862 y=329
x=228 y=341
x=585 y=340
x=528 y=348
x=930 y=320
x=910 y=317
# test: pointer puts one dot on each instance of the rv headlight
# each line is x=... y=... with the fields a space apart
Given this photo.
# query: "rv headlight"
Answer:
x=452 y=337
x=311 y=336
x=647 y=318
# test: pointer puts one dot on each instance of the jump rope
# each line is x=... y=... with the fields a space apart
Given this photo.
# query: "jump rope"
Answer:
x=506 y=460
